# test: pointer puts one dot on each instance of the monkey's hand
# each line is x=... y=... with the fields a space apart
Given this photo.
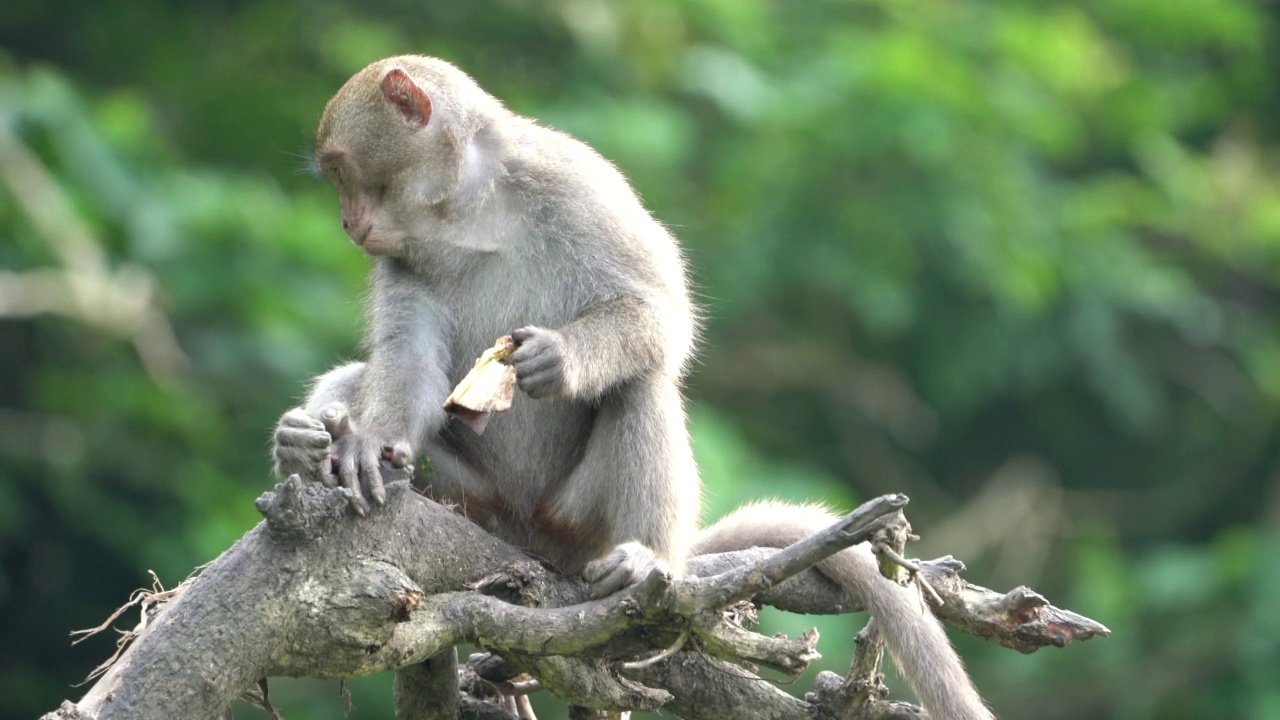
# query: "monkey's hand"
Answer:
x=626 y=565
x=301 y=446
x=355 y=459
x=539 y=361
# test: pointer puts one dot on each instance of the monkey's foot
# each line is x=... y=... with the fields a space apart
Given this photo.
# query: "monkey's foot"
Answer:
x=626 y=565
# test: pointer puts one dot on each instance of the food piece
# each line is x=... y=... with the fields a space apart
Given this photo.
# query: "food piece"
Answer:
x=487 y=389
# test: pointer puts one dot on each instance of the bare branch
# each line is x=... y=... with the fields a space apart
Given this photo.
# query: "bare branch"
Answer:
x=316 y=591
x=744 y=582
x=1020 y=619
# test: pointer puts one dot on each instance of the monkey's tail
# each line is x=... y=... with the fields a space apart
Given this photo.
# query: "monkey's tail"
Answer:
x=914 y=637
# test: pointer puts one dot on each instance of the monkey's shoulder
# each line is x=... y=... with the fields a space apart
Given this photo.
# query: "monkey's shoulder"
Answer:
x=553 y=169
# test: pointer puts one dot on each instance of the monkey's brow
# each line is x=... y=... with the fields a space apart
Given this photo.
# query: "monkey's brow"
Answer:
x=321 y=156
x=327 y=151
x=308 y=164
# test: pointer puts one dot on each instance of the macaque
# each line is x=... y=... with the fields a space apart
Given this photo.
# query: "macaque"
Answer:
x=482 y=223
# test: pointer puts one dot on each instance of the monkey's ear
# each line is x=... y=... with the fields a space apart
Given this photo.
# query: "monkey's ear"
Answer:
x=412 y=101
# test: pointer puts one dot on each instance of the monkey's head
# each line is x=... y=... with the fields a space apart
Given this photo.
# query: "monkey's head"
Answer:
x=393 y=141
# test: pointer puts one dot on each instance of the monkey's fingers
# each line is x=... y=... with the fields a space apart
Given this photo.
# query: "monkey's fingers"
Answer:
x=299 y=451
x=539 y=354
x=371 y=474
x=542 y=384
x=376 y=491
x=301 y=419
x=626 y=565
x=328 y=473
x=307 y=440
x=398 y=453
x=300 y=444
x=349 y=473
x=336 y=419
x=613 y=579
x=520 y=336
x=534 y=362
x=539 y=362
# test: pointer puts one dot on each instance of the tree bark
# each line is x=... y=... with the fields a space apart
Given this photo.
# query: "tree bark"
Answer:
x=316 y=591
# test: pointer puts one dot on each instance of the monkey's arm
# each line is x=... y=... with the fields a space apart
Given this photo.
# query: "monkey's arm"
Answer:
x=401 y=396
x=339 y=385
x=399 y=399
x=611 y=342
x=304 y=437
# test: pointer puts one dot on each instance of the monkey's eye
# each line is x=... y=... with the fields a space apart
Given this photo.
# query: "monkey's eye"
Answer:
x=337 y=175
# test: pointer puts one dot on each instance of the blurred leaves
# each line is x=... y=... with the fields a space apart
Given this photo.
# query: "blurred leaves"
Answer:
x=1020 y=260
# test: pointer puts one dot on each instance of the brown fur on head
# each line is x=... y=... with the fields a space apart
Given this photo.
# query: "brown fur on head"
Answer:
x=393 y=142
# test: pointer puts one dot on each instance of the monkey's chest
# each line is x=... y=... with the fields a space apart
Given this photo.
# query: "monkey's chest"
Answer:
x=505 y=294
x=529 y=449
x=520 y=463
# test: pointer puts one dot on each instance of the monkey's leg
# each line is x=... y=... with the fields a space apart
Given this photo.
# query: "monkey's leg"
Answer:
x=635 y=490
x=450 y=479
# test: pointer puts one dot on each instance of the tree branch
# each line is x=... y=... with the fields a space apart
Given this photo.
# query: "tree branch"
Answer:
x=315 y=591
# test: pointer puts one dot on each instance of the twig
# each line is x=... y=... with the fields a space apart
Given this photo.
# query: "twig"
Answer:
x=145 y=600
x=671 y=650
x=912 y=567
x=727 y=588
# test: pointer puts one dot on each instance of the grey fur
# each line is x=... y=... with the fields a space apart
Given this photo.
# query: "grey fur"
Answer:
x=524 y=229
x=913 y=635
x=483 y=224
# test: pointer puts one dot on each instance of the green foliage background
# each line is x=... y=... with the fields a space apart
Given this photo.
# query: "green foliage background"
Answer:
x=1020 y=260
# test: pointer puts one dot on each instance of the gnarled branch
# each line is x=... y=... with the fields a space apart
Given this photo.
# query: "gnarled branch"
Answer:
x=315 y=591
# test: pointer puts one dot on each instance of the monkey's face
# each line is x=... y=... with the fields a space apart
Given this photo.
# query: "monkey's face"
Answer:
x=390 y=157
x=368 y=209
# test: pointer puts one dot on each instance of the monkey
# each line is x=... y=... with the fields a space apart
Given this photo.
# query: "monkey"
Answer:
x=482 y=223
